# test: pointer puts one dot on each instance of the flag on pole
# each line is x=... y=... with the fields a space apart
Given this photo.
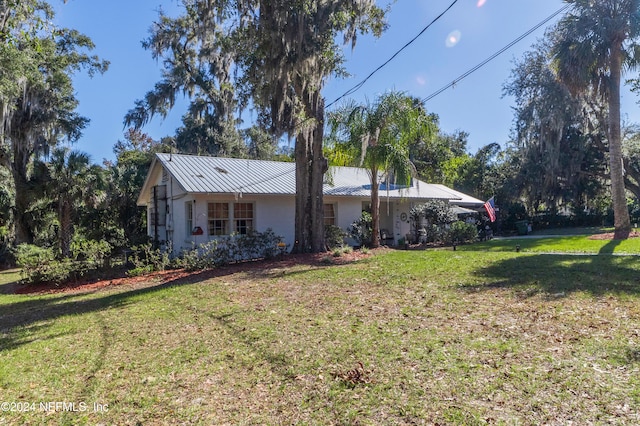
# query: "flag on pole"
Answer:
x=491 y=209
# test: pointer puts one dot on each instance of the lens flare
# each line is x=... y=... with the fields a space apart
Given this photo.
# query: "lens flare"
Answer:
x=481 y=3
x=453 y=38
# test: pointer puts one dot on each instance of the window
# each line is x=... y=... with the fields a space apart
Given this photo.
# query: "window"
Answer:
x=153 y=217
x=218 y=215
x=188 y=214
x=243 y=217
x=329 y=215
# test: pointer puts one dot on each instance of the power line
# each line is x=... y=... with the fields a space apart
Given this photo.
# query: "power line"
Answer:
x=495 y=55
x=359 y=85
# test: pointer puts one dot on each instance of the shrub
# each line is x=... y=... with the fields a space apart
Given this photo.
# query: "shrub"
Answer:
x=327 y=260
x=334 y=236
x=432 y=233
x=95 y=253
x=147 y=259
x=362 y=229
x=5 y=251
x=436 y=213
x=34 y=261
x=233 y=248
x=461 y=232
x=206 y=255
x=40 y=265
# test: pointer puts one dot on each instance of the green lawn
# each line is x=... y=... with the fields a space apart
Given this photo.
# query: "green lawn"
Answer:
x=567 y=244
x=473 y=336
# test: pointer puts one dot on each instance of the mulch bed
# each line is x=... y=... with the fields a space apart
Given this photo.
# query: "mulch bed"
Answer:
x=609 y=236
x=174 y=275
x=162 y=277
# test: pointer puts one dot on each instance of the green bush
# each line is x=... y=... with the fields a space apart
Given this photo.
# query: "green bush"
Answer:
x=436 y=213
x=40 y=265
x=362 y=229
x=5 y=247
x=206 y=255
x=145 y=258
x=94 y=253
x=334 y=236
x=233 y=248
x=461 y=232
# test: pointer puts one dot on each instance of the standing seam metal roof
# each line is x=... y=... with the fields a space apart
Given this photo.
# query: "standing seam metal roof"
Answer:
x=218 y=175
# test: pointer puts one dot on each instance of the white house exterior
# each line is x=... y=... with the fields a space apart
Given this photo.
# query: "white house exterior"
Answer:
x=193 y=199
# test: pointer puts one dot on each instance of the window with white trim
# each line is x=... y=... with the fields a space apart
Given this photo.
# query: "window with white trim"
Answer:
x=218 y=218
x=243 y=217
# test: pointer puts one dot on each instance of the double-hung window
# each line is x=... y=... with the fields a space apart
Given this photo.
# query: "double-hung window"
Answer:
x=243 y=217
x=218 y=218
x=329 y=214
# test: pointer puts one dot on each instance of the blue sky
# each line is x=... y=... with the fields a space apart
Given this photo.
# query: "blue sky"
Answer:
x=468 y=34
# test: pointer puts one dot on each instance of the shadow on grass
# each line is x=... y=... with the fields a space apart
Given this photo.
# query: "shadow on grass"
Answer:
x=28 y=317
x=560 y=275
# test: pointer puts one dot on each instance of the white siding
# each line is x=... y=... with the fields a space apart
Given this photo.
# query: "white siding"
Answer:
x=402 y=227
x=279 y=214
x=275 y=212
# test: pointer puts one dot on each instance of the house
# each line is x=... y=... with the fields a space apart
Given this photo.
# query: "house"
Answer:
x=192 y=199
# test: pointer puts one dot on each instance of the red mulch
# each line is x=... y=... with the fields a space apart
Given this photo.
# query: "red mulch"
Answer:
x=161 y=277
x=609 y=236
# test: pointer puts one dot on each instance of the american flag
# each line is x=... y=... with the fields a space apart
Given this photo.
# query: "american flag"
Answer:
x=491 y=209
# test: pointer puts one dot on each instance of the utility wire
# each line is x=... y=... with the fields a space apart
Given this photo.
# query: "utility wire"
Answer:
x=495 y=55
x=359 y=85
x=433 y=95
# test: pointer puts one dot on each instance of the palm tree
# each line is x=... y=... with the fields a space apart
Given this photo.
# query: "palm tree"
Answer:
x=592 y=45
x=377 y=137
x=75 y=183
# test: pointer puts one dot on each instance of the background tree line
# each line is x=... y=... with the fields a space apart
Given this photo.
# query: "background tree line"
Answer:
x=561 y=163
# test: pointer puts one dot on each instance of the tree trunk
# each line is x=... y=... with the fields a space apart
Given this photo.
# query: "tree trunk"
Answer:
x=622 y=222
x=302 y=220
x=319 y=166
x=375 y=209
x=310 y=169
x=23 y=232
x=66 y=227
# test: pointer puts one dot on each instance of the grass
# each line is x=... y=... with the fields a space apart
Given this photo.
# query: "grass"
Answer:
x=481 y=335
x=581 y=244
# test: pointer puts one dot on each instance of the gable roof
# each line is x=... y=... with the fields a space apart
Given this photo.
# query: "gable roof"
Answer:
x=218 y=175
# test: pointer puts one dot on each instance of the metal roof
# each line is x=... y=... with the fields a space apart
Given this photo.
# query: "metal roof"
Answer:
x=464 y=199
x=217 y=175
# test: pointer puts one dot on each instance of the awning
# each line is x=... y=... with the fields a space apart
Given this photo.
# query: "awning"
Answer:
x=462 y=210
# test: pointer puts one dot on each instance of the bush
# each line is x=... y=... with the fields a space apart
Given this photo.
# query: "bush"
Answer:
x=362 y=229
x=436 y=213
x=461 y=232
x=147 y=259
x=5 y=251
x=334 y=236
x=40 y=265
x=429 y=233
x=234 y=248
x=94 y=253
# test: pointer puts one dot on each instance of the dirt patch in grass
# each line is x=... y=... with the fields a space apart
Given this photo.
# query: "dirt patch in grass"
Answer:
x=173 y=275
x=610 y=235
